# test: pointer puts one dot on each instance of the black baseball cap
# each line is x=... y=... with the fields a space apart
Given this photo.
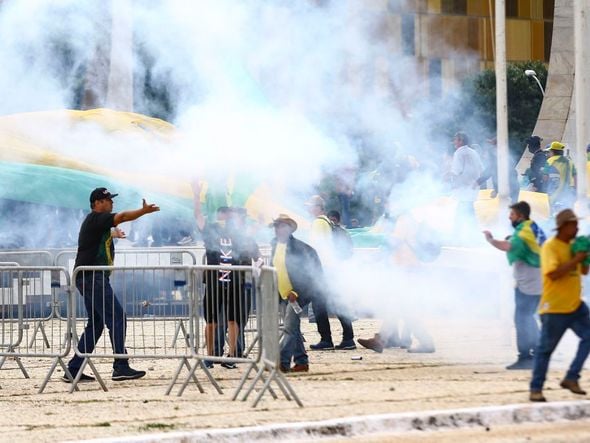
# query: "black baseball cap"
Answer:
x=100 y=194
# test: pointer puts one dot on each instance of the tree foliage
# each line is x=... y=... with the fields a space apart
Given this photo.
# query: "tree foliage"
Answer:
x=478 y=103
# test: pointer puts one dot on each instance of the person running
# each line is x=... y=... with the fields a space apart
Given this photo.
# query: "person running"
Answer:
x=523 y=250
x=561 y=306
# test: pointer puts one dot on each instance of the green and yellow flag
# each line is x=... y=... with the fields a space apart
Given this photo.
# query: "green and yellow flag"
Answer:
x=526 y=244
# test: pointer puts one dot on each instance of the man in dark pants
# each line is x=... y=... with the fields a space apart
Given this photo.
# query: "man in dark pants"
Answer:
x=321 y=239
x=561 y=305
x=523 y=251
x=96 y=248
x=300 y=280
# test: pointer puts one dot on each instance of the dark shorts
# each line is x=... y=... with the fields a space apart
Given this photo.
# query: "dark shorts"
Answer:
x=232 y=297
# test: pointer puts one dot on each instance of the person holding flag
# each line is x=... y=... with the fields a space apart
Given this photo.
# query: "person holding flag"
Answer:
x=523 y=249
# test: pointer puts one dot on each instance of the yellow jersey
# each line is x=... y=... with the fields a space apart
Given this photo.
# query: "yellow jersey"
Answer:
x=563 y=295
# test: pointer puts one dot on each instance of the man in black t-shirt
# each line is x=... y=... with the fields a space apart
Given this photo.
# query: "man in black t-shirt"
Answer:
x=227 y=300
x=96 y=248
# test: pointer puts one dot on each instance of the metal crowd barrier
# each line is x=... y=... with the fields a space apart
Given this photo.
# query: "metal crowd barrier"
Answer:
x=28 y=258
x=155 y=299
x=202 y=289
x=225 y=289
x=27 y=294
x=136 y=257
x=139 y=257
x=164 y=296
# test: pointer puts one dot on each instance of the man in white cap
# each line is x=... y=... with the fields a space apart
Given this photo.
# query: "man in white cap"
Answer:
x=561 y=307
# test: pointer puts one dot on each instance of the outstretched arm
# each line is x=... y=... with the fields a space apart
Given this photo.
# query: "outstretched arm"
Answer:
x=502 y=245
x=126 y=216
x=197 y=205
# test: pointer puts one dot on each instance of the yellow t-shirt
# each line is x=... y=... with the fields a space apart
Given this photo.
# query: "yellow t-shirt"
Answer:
x=321 y=228
x=279 y=262
x=321 y=239
x=563 y=295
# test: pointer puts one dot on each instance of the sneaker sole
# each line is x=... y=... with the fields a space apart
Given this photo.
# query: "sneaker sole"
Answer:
x=67 y=380
x=127 y=377
x=346 y=348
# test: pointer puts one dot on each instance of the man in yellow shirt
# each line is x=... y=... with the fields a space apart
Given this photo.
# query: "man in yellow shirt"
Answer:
x=561 y=307
x=300 y=280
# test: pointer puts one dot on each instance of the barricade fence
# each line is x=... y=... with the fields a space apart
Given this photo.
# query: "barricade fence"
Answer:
x=204 y=315
x=28 y=257
x=143 y=303
x=200 y=315
x=28 y=295
x=139 y=257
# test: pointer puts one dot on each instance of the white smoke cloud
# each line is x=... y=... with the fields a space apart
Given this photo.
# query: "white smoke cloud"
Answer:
x=275 y=90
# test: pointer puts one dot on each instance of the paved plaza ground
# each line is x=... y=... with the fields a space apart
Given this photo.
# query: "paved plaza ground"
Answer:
x=466 y=371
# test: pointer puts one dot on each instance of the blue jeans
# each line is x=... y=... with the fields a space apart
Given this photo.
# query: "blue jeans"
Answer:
x=102 y=307
x=292 y=343
x=553 y=326
x=527 y=329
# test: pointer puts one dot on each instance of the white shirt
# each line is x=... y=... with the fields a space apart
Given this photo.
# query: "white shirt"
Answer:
x=467 y=168
x=528 y=278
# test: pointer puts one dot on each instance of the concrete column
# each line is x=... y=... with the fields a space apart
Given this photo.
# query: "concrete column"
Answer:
x=555 y=120
x=582 y=100
x=501 y=101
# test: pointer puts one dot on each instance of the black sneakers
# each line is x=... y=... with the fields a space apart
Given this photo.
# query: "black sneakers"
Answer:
x=83 y=379
x=126 y=373
x=322 y=346
x=346 y=345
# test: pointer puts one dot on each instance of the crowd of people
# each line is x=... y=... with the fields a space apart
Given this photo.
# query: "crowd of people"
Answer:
x=551 y=171
x=547 y=273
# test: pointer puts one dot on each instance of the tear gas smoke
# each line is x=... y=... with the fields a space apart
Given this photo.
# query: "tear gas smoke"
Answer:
x=273 y=90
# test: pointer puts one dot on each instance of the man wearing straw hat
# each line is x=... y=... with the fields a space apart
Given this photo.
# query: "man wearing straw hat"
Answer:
x=300 y=280
x=561 y=307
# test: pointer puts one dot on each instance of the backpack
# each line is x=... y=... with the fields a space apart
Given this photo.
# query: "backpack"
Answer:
x=342 y=242
x=341 y=239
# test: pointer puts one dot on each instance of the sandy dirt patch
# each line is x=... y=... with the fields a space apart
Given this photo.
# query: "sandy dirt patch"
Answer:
x=466 y=371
